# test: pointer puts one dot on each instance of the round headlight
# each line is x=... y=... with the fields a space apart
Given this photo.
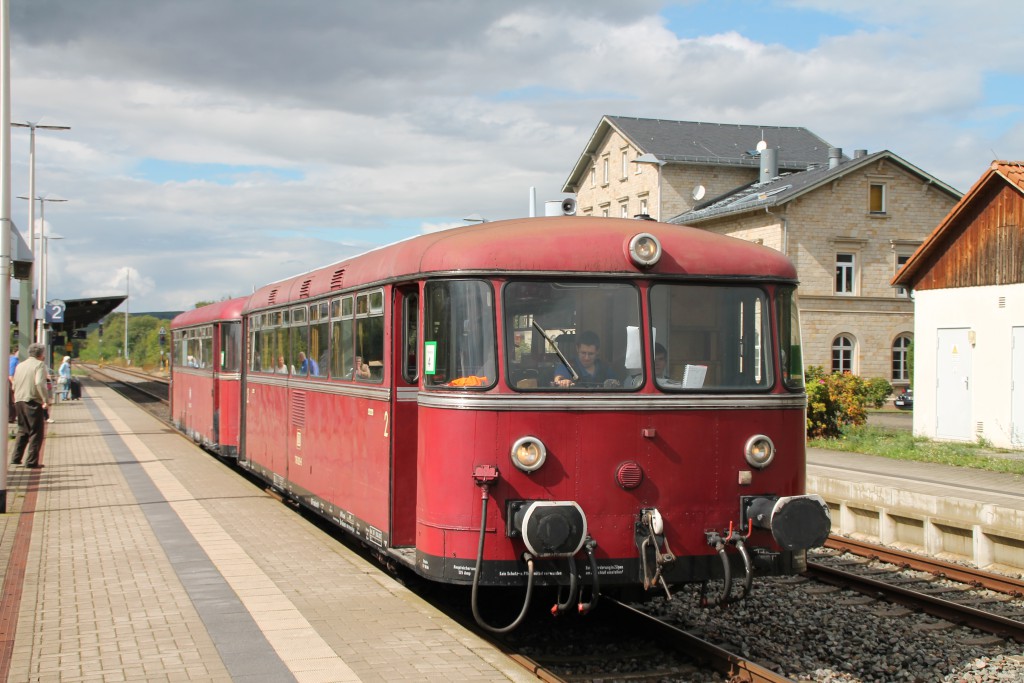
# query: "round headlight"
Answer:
x=528 y=454
x=644 y=249
x=759 y=451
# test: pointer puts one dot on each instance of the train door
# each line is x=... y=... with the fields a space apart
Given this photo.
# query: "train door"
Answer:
x=404 y=391
x=953 y=390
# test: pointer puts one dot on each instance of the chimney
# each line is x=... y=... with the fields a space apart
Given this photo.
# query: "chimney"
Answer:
x=835 y=156
x=859 y=153
x=769 y=164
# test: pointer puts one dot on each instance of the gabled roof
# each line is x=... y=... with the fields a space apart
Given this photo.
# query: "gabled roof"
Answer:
x=710 y=144
x=1008 y=172
x=788 y=186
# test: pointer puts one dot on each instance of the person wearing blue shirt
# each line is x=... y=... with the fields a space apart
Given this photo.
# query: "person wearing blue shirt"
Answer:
x=308 y=366
x=64 y=378
x=590 y=369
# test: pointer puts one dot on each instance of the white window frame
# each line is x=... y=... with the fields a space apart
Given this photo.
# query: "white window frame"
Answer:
x=845 y=282
x=901 y=357
x=845 y=345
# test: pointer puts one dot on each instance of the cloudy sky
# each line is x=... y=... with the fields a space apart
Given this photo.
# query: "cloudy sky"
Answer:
x=217 y=145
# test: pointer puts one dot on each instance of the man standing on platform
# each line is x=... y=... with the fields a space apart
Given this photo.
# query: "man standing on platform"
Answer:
x=31 y=400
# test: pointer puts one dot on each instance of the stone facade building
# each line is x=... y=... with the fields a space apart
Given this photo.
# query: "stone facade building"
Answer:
x=847 y=224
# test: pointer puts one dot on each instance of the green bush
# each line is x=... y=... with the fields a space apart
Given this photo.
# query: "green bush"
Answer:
x=877 y=390
x=833 y=400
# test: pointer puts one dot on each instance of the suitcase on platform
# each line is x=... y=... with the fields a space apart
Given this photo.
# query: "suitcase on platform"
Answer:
x=74 y=389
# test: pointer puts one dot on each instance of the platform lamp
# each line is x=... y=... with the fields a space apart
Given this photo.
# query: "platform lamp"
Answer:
x=24 y=307
x=41 y=291
x=651 y=159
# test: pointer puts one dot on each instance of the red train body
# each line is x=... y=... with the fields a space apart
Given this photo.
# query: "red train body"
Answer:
x=590 y=403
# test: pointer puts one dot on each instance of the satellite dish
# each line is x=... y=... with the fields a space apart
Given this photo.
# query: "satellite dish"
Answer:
x=762 y=146
x=699 y=191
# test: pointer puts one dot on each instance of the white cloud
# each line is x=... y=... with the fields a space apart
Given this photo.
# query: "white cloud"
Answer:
x=391 y=119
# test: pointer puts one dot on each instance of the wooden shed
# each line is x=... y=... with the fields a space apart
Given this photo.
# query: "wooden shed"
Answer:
x=967 y=280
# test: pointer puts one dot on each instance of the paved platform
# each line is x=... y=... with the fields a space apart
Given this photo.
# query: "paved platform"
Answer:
x=135 y=556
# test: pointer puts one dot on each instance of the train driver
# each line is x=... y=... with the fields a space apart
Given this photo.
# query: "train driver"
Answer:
x=591 y=369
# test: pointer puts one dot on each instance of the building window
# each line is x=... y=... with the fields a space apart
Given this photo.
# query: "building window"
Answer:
x=901 y=260
x=639 y=167
x=901 y=359
x=624 y=210
x=643 y=207
x=876 y=198
x=844 y=274
x=842 y=354
x=606 y=210
x=593 y=175
x=604 y=165
x=625 y=164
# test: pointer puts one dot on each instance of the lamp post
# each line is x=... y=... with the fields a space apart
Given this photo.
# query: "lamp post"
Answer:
x=653 y=160
x=40 y=302
x=127 y=296
x=24 y=307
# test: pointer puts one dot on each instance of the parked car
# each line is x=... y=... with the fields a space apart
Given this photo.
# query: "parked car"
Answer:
x=905 y=401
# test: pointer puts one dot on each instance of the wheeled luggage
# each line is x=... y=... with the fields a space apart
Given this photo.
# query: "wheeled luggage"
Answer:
x=74 y=389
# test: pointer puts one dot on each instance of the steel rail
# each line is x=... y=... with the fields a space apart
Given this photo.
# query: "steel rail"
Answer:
x=947 y=570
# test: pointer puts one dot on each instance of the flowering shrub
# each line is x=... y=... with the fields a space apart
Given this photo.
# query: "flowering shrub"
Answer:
x=833 y=400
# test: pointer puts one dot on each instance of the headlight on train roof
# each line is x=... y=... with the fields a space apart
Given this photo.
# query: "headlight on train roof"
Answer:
x=760 y=451
x=529 y=453
x=644 y=249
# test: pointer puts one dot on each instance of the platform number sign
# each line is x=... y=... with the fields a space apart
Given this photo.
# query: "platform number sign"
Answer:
x=55 y=311
x=430 y=358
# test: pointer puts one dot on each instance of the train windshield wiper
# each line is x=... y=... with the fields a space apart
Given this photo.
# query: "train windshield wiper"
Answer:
x=561 y=356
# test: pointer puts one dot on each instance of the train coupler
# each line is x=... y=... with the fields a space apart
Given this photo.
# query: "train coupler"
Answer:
x=650 y=539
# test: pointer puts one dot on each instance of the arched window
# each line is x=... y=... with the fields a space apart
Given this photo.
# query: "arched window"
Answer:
x=901 y=358
x=842 y=354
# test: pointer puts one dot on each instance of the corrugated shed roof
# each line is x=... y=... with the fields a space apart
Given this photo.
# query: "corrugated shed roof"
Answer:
x=1012 y=172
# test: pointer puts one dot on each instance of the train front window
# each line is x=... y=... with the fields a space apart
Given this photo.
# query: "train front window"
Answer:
x=458 y=336
x=572 y=336
x=713 y=337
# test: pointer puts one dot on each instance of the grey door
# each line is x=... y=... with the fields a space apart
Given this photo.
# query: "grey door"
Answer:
x=1017 y=387
x=953 y=385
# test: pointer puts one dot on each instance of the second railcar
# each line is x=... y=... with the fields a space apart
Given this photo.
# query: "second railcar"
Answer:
x=206 y=364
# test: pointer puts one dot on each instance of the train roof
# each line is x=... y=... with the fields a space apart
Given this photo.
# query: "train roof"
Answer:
x=230 y=309
x=570 y=245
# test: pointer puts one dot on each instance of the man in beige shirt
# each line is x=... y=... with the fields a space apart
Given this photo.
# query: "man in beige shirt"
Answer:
x=31 y=400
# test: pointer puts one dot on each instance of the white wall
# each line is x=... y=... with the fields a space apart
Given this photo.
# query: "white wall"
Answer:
x=980 y=309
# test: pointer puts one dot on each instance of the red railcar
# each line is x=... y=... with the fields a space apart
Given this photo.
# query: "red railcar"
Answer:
x=206 y=365
x=589 y=403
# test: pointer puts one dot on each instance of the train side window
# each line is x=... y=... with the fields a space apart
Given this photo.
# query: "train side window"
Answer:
x=410 y=347
x=255 y=344
x=369 y=339
x=230 y=346
x=319 y=340
x=298 y=359
x=791 y=359
x=342 y=354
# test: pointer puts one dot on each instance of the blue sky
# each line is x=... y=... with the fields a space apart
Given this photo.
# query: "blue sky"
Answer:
x=207 y=162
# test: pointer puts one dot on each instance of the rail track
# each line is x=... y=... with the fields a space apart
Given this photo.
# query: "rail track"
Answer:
x=957 y=594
